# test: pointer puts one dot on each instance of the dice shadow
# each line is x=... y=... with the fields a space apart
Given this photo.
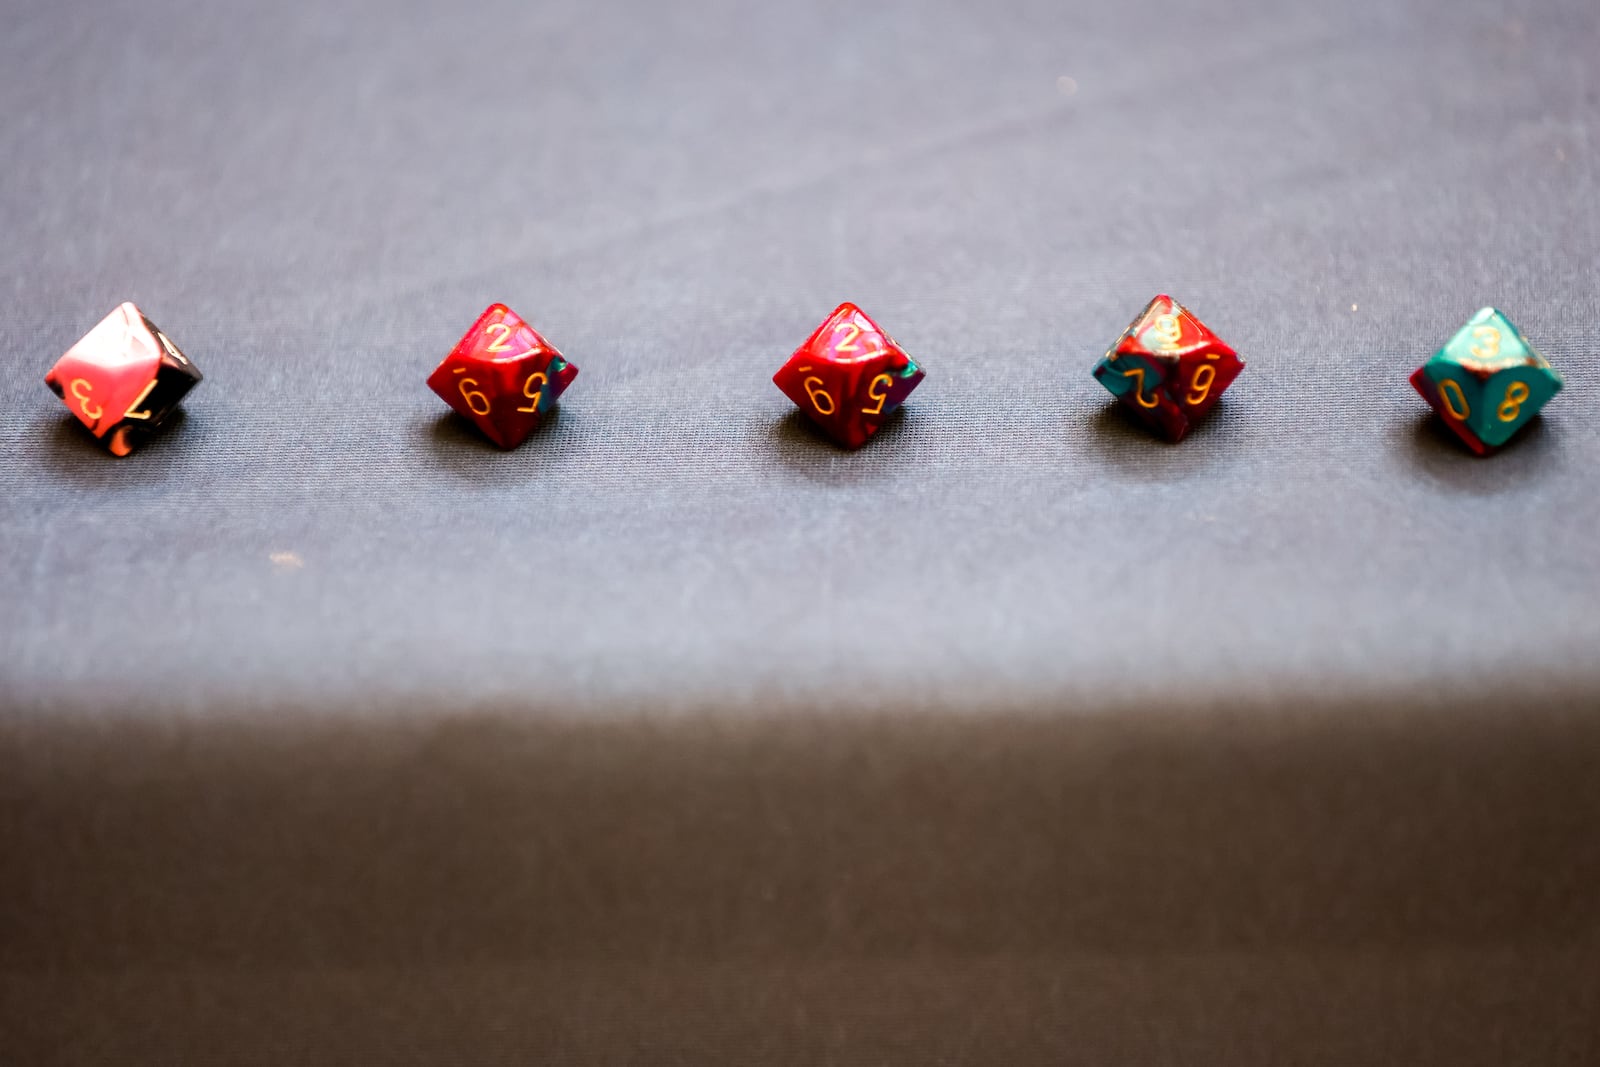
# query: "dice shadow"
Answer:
x=75 y=454
x=800 y=444
x=1127 y=448
x=1435 y=451
x=457 y=445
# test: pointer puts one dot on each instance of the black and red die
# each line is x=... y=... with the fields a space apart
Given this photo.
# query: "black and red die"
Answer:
x=123 y=379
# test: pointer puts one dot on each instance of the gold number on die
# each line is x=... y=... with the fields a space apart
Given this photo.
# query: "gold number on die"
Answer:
x=1485 y=342
x=472 y=396
x=872 y=392
x=80 y=389
x=133 y=411
x=1137 y=374
x=818 y=394
x=1516 y=394
x=532 y=393
x=849 y=343
x=499 y=343
x=1169 y=332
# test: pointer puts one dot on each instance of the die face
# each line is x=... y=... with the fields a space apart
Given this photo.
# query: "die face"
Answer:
x=1167 y=328
x=1487 y=381
x=1203 y=376
x=175 y=376
x=849 y=376
x=1168 y=368
x=1139 y=382
x=503 y=376
x=1456 y=394
x=123 y=379
x=1511 y=398
x=1488 y=342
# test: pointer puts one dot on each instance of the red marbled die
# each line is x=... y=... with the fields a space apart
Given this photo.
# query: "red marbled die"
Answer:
x=503 y=376
x=849 y=376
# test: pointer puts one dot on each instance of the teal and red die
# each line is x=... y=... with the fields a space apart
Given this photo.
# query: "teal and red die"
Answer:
x=1168 y=368
x=1487 y=382
x=849 y=376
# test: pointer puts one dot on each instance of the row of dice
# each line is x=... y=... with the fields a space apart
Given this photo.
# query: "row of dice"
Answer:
x=1167 y=368
x=1487 y=382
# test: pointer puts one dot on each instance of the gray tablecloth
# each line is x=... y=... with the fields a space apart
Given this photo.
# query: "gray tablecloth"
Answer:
x=331 y=734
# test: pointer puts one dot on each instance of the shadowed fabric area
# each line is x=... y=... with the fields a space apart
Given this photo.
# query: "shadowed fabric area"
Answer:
x=329 y=733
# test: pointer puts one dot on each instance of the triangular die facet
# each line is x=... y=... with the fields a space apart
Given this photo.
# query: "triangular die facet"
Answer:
x=849 y=336
x=1488 y=341
x=1459 y=392
x=173 y=381
x=102 y=375
x=1165 y=329
x=501 y=335
x=171 y=358
x=1510 y=399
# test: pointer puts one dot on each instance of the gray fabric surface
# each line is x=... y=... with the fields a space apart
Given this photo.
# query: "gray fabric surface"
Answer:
x=330 y=732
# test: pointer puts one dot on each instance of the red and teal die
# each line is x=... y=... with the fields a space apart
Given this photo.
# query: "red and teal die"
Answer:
x=1487 y=382
x=1168 y=369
